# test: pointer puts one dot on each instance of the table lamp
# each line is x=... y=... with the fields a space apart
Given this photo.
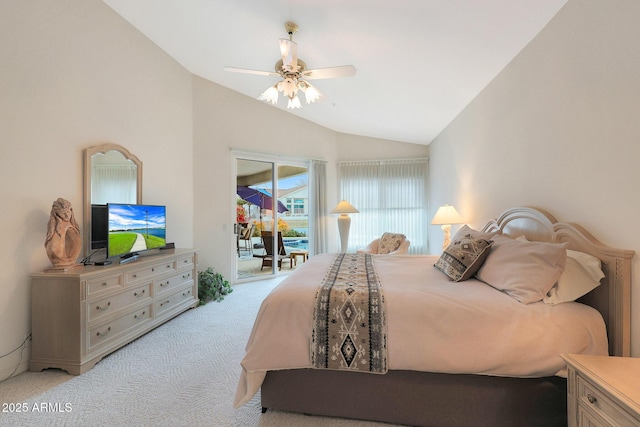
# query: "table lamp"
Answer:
x=445 y=216
x=344 y=208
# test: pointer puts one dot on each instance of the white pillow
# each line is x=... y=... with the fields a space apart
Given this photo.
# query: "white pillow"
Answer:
x=582 y=274
x=523 y=270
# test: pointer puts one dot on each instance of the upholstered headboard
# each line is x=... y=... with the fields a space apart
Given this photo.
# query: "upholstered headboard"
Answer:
x=613 y=297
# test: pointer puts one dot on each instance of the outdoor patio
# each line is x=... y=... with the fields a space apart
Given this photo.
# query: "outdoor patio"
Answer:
x=249 y=266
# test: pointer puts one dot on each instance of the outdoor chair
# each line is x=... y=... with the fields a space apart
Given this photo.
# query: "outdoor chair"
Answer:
x=267 y=260
x=244 y=238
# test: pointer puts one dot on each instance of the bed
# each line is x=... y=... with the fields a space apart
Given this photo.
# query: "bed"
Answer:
x=428 y=381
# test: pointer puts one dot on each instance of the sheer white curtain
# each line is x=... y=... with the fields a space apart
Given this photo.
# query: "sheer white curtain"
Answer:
x=391 y=195
x=318 y=198
x=113 y=184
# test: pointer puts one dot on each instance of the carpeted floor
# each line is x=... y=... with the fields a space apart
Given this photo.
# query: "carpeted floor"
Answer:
x=183 y=373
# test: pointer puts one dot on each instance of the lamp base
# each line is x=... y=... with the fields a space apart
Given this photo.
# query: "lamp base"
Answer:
x=446 y=229
x=344 y=223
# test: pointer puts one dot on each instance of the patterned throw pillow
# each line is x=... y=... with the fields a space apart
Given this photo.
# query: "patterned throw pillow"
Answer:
x=463 y=257
x=390 y=242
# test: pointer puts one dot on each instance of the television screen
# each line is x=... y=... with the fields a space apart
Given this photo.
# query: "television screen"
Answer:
x=99 y=226
x=135 y=228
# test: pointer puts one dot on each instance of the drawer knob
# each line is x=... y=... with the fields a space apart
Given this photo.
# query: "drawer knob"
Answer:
x=136 y=294
x=104 y=283
x=104 y=307
x=591 y=399
x=163 y=303
x=105 y=333
x=142 y=314
x=184 y=294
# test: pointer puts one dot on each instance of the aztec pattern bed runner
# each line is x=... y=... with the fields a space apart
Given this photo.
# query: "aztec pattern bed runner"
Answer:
x=349 y=323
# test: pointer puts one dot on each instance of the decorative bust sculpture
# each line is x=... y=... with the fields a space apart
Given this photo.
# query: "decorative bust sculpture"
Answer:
x=63 y=243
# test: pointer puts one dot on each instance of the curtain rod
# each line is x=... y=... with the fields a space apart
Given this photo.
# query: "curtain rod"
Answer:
x=384 y=160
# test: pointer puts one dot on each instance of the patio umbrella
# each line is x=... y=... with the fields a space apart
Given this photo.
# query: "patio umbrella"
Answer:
x=260 y=198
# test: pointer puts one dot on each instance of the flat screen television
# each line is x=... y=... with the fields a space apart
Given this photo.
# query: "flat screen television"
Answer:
x=99 y=227
x=135 y=228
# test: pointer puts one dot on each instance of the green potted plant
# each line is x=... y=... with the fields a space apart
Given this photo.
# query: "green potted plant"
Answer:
x=212 y=286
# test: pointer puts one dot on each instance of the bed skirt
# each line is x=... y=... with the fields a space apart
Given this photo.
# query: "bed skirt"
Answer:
x=419 y=398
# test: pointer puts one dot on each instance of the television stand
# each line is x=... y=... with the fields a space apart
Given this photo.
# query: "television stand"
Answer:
x=129 y=258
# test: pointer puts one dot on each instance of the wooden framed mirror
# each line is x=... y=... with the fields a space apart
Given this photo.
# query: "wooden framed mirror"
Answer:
x=111 y=175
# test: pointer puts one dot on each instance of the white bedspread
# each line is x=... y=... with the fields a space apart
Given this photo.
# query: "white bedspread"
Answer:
x=434 y=325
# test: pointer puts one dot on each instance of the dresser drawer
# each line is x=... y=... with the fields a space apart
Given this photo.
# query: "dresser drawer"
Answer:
x=593 y=400
x=103 y=284
x=149 y=271
x=166 y=303
x=97 y=309
x=185 y=261
x=589 y=419
x=107 y=332
x=172 y=282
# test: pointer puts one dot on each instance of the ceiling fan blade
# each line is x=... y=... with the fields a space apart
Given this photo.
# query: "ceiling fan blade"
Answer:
x=289 y=52
x=245 y=71
x=330 y=72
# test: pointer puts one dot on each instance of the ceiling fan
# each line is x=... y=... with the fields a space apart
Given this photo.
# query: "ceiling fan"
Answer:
x=294 y=74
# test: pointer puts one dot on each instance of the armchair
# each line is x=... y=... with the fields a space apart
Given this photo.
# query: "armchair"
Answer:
x=388 y=243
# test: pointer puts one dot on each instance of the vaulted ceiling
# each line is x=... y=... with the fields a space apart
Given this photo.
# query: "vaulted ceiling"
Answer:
x=419 y=62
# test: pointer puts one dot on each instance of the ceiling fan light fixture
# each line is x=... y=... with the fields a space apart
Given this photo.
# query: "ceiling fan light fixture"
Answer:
x=311 y=94
x=289 y=86
x=294 y=102
x=270 y=95
x=292 y=70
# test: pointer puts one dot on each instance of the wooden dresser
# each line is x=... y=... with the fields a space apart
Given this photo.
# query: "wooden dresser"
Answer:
x=603 y=391
x=80 y=316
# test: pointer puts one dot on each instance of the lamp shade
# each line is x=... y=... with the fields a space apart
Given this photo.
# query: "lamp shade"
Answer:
x=344 y=207
x=447 y=215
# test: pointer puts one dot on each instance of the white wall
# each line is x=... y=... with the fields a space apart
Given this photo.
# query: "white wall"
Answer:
x=558 y=129
x=354 y=147
x=75 y=74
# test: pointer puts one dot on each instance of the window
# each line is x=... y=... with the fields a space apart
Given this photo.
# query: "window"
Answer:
x=391 y=195
x=297 y=207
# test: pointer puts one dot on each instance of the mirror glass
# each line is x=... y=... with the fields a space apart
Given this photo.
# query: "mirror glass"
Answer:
x=111 y=175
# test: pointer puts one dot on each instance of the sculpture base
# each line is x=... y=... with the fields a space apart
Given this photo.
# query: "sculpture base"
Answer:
x=63 y=268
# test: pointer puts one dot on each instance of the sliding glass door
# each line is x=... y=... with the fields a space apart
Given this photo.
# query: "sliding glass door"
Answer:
x=271 y=215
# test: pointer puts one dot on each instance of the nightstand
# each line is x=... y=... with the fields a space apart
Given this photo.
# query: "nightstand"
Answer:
x=603 y=391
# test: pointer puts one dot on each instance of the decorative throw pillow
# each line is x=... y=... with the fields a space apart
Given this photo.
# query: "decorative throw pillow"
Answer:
x=465 y=229
x=523 y=270
x=390 y=242
x=463 y=257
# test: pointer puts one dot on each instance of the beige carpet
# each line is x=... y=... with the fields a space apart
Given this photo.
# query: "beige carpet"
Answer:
x=183 y=373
